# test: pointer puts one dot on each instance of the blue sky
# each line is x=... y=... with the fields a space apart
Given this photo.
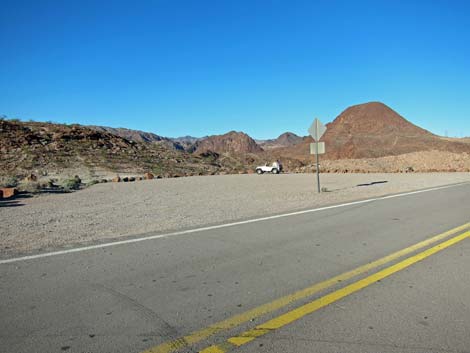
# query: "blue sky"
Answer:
x=206 y=67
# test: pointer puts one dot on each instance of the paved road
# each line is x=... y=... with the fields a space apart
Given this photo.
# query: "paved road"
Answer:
x=135 y=297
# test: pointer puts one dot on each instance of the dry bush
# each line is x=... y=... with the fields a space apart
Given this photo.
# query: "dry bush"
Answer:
x=8 y=181
x=71 y=183
x=30 y=186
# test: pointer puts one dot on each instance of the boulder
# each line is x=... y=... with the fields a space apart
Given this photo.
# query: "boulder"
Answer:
x=116 y=179
x=8 y=192
x=148 y=176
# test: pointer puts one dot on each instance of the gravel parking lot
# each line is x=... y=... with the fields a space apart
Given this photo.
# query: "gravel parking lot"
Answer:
x=113 y=210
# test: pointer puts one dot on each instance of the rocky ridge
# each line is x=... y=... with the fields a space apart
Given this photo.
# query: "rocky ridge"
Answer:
x=46 y=148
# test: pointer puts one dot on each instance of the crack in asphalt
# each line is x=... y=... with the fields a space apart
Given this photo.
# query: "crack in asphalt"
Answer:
x=165 y=329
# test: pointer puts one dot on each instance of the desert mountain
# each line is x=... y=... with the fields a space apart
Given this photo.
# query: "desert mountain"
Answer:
x=366 y=131
x=56 y=149
x=231 y=142
x=373 y=130
x=129 y=134
x=287 y=139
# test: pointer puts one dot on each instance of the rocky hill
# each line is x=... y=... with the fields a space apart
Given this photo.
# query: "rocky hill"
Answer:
x=373 y=130
x=287 y=139
x=129 y=134
x=231 y=142
x=56 y=149
x=369 y=132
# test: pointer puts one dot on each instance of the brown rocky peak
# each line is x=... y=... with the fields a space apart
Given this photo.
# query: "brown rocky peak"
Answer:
x=231 y=142
x=288 y=139
x=373 y=130
x=373 y=118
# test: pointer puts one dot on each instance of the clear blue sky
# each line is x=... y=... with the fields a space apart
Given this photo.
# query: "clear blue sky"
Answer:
x=206 y=67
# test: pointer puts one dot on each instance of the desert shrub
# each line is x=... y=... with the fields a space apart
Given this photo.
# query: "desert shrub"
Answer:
x=72 y=183
x=9 y=182
x=51 y=183
x=30 y=186
x=92 y=182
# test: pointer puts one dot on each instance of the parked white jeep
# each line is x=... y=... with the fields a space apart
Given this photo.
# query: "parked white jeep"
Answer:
x=274 y=168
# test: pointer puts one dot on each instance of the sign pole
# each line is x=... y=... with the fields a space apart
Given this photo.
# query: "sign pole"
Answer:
x=318 y=164
x=316 y=130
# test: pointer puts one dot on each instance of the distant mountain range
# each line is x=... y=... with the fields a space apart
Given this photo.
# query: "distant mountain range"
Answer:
x=364 y=131
x=57 y=149
x=286 y=139
x=236 y=142
x=367 y=130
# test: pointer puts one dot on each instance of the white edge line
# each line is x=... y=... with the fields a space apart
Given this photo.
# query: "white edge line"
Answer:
x=225 y=225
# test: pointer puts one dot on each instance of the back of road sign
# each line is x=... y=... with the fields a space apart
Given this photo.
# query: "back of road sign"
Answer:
x=321 y=148
x=317 y=129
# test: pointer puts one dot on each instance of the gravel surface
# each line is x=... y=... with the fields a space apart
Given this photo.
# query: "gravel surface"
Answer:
x=113 y=210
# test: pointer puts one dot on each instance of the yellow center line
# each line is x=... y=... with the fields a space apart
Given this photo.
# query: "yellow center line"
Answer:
x=300 y=312
x=279 y=303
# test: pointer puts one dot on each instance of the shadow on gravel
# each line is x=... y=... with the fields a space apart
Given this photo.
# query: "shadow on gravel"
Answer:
x=14 y=201
x=54 y=191
x=10 y=203
x=374 y=183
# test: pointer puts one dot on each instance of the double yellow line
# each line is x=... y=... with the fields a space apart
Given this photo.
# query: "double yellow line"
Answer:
x=314 y=305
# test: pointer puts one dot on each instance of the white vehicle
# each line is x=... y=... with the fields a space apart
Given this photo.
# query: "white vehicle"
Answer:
x=274 y=168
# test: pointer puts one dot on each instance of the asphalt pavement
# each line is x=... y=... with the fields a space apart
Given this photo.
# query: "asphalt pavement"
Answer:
x=204 y=290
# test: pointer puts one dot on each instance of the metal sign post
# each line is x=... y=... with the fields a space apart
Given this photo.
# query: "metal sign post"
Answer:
x=318 y=166
x=316 y=130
